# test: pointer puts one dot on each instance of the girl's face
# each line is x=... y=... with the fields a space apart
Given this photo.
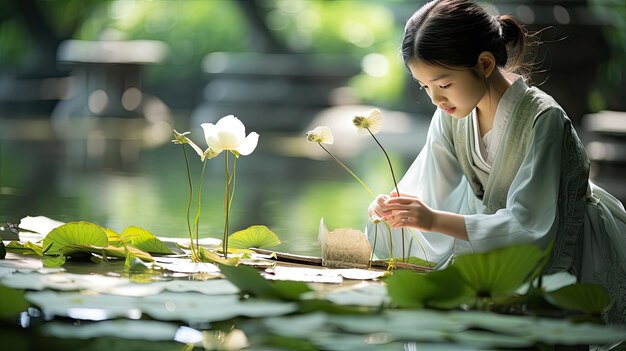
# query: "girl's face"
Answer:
x=456 y=91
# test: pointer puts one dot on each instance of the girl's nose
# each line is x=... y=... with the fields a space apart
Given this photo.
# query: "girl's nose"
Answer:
x=437 y=98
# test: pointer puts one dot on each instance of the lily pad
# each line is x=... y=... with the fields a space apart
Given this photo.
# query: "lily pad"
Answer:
x=444 y=288
x=198 y=308
x=115 y=238
x=81 y=233
x=84 y=306
x=250 y=281
x=125 y=329
x=109 y=251
x=27 y=248
x=589 y=298
x=499 y=272
x=258 y=236
x=145 y=241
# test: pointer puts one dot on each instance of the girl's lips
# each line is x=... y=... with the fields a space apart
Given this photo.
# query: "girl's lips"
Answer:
x=449 y=110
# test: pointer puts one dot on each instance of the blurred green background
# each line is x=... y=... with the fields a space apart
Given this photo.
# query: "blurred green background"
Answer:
x=90 y=91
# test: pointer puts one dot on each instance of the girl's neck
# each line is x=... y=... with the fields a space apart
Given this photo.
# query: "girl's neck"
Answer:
x=497 y=84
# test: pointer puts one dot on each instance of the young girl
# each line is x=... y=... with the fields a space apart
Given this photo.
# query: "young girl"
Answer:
x=502 y=163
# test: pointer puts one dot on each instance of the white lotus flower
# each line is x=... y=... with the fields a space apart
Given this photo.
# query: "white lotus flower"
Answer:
x=321 y=134
x=229 y=134
x=373 y=122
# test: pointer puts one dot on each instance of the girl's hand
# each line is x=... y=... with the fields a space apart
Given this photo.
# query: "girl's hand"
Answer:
x=407 y=211
x=375 y=211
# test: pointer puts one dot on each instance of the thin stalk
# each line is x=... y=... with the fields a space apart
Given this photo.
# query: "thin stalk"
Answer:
x=233 y=182
x=421 y=247
x=197 y=219
x=393 y=176
x=348 y=170
x=395 y=183
x=375 y=238
x=226 y=207
x=190 y=200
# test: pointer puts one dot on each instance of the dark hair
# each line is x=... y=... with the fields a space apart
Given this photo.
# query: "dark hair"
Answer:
x=453 y=33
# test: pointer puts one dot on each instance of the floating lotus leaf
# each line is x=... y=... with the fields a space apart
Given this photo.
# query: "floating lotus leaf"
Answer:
x=498 y=272
x=53 y=261
x=207 y=287
x=258 y=236
x=209 y=256
x=115 y=238
x=27 y=248
x=198 y=308
x=125 y=329
x=444 y=288
x=487 y=340
x=109 y=251
x=80 y=233
x=144 y=240
x=84 y=306
x=563 y=332
x=373 y=295
x=589 y=298
x=248 y=280
x=298 y=326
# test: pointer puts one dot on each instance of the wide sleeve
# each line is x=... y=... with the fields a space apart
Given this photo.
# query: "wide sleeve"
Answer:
x=435 y=176
x=436 y=172
x=531 y=207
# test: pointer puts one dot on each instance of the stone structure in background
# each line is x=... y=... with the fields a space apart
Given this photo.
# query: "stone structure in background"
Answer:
x=105 y=116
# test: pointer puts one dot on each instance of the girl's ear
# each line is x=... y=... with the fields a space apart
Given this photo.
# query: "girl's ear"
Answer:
x=486 y=64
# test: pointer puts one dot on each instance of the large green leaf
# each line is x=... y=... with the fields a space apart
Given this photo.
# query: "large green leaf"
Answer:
x=80 y=233
x=108 y=251
x=258 y=236
x=209 y=256
x=27 y=248
x=145 y=241
x=115 y=238
x=499 y=272
x=444 y=289
x=589 y=298
x=248 y=280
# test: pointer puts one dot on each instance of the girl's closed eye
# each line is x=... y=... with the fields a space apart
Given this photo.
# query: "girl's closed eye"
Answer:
x=446 y=86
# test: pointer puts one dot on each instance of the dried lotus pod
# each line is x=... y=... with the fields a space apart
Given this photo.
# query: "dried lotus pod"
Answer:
x=344 y=247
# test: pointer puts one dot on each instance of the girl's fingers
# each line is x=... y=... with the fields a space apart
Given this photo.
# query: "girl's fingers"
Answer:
x=400 y=200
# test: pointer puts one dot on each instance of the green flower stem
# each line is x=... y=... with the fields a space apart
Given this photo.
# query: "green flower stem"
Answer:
x=393 y=176
x=197 y=219
x=395 y=183
x=233 y=181
x=375 y=239
x=348 y=170
x=190 y=200
x=226 y=205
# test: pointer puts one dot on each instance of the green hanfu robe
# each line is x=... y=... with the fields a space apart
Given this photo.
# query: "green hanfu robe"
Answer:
x=530 y=184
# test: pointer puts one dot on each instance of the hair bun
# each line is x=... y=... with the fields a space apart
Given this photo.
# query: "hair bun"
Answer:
x=509 y=29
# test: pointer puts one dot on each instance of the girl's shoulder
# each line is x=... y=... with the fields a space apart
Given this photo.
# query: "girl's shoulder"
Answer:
x=538 y=100
x=538 y=104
